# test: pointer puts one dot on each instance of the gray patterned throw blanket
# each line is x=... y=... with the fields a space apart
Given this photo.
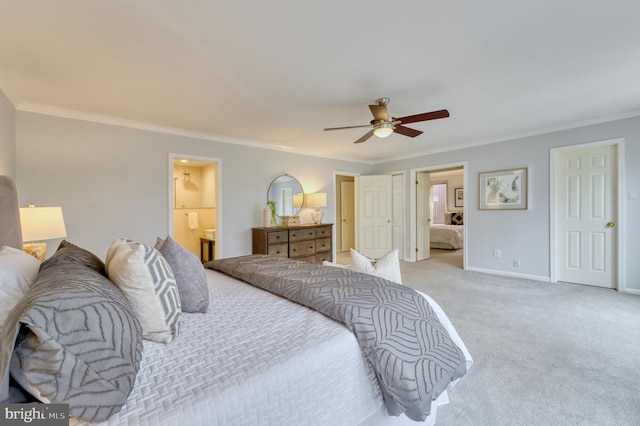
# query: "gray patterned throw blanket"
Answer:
x=412 y=354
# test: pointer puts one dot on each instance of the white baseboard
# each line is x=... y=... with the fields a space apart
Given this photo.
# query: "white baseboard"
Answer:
x=510 y=274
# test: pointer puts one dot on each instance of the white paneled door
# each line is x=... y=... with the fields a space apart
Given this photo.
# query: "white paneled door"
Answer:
x=586 y=216
x=423 y=216
x=374 y=213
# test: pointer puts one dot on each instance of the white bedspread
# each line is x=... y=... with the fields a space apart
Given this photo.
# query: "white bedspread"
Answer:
x=254 y=358
x=446 y=236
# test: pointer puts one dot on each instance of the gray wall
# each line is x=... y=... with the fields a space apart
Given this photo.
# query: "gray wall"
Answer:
x=7 y=137
x=114 y=181
x=524 y=234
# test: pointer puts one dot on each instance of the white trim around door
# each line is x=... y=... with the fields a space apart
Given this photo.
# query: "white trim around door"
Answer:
x=219 y=247
x=413 y=203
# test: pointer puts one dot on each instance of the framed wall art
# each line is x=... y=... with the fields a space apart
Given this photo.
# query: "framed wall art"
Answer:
x=504 y=190
x=458 y=197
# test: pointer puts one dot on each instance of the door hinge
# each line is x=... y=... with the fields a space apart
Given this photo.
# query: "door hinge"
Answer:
x=416 y=249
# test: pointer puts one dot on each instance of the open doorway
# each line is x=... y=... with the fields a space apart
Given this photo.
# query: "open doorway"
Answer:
x=437 y=223
x=194 y=217
x=345 y=216
x=348 y=222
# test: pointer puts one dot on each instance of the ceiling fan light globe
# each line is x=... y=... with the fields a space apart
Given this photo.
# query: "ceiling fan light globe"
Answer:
x=383 y=131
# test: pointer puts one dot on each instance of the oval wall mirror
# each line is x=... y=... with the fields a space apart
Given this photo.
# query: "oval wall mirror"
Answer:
x=287 y=194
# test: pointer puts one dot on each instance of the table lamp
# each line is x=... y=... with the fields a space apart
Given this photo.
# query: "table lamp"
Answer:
x=41 y=223
x=316 y=200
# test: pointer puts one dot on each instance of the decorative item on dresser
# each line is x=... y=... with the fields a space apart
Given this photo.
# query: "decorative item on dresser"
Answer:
x=309 y=243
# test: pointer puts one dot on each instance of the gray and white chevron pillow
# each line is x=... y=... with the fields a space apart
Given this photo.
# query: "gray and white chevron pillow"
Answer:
x=148 y=283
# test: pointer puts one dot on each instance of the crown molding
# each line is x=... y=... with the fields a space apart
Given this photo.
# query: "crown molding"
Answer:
x=55 y=111
x=514 y=136
x=8 y=88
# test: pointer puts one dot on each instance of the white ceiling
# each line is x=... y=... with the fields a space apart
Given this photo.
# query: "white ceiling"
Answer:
x=279 y=71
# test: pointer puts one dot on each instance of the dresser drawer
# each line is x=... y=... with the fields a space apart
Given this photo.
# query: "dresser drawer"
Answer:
x=302 y=234
x=321 y=257
x=323 y=244
x=280 y=250
x=302 y=248
x=277 y=237
x=323 y=232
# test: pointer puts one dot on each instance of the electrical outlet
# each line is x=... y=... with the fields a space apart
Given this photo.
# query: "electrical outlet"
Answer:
x=497 y=253
x=516 y=263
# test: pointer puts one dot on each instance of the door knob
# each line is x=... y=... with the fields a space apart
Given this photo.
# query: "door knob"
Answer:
x=610 y=225
x=388 y=220
x=344 y=220
x=429 y=219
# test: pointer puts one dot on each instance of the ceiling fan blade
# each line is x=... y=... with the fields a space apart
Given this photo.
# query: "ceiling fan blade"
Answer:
x=433 y=115
x=379 y=112
x=348 y=127
x=365 y=137
x=412 y=133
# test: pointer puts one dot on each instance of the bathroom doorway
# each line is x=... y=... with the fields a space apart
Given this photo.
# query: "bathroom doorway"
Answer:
x=194 y=196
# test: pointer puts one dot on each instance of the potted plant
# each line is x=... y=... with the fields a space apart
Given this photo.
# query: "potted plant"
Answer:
x=272 y=206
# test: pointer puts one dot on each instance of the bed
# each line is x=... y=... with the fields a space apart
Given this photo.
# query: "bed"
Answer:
x=237 y=363
x=449 y=237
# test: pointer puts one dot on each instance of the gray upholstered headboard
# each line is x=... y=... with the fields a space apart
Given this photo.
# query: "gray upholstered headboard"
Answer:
x=10 y=232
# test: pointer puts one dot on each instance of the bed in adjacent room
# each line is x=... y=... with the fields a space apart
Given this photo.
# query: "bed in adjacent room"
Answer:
x=449 y=237
x=253 y=357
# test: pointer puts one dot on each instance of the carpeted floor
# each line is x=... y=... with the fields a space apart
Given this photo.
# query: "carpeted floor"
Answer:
x=544 y=354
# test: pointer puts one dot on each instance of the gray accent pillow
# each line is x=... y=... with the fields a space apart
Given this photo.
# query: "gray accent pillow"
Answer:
x=77 y=341
x=190 y=275
x=80 y=255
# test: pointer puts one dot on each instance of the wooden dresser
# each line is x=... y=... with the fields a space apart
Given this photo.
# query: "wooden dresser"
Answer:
x=309 y=243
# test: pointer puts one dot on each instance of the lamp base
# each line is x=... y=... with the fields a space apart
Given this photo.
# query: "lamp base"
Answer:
x=37 y=250
x=317 y=216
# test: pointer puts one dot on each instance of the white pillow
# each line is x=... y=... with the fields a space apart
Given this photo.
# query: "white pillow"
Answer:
x=18 y=271
x=148 y=283
x=388 y=266
x=337 y=265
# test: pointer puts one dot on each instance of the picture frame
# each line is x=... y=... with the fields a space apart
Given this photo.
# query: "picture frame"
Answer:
x=504 y=189
x=458 y=197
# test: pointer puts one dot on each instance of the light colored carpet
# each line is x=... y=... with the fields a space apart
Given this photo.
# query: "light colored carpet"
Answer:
x=544 y=354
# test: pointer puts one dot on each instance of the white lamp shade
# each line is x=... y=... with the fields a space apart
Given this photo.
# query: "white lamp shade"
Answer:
x=42 y=223
x=298 y=199
x=317 y=199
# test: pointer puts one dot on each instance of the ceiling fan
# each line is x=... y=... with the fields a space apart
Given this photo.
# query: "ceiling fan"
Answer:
x=383 y=124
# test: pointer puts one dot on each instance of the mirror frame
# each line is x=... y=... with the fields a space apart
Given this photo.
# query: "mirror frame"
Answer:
x=273 y=186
